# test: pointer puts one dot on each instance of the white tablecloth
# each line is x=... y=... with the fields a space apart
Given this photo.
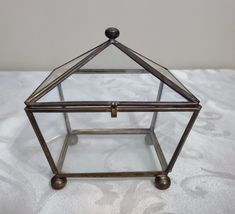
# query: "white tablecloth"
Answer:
x=203 y=179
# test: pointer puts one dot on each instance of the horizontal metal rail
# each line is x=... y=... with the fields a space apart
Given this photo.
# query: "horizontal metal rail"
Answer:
x=158 y=150
x=112 y=71
x=108 y=109
x=109 y=103
x=63 y=152
x=113 y=174
x=110 y=131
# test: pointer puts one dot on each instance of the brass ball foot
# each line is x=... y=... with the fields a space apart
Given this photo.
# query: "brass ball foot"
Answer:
x=73 y=139
x=162 y=182
x=58 y=182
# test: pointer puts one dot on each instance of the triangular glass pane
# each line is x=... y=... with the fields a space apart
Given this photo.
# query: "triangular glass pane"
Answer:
x=60 y=71
x=112 y=58
x=163 y=71
x=112 y=76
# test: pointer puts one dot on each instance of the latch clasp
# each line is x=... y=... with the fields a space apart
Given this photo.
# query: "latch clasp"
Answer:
x=113 y=109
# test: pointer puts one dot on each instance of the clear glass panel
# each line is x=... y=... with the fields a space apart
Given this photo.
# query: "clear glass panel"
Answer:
x=110 y=153
x=112 y=87
x=53 y=130
x=164 y=72
x=112 y=58
x=169 y=129
x=104 y=120
x=169 y=95
x=93 y=152
x=51 y=96
x=59 y=71
x=100 y=152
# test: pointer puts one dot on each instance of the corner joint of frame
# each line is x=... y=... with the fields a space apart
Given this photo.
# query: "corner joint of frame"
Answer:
x=27 y=108
x=199 y=107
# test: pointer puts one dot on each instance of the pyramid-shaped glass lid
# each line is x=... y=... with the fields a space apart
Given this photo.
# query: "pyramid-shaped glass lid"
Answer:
x=106 y=59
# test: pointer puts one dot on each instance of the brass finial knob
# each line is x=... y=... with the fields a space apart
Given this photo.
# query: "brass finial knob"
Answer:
x=112 y=33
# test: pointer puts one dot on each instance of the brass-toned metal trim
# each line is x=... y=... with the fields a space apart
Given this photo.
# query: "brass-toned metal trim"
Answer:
x=41 y=140
x=158 y=150
x=159 y=95
x=113 y=174
x=119 y=103
x=111 y=71
x=110 y=131
x=182 y=140
x=107 y=109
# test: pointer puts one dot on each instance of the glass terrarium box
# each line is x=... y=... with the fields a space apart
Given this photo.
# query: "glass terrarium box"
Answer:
x=111 y=112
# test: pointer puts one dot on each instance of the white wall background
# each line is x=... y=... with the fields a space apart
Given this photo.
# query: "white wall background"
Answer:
x=40 y=34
